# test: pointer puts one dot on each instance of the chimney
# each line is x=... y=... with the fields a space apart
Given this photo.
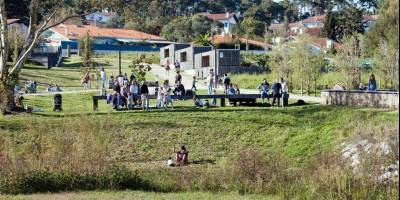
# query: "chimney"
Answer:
x=329 y=44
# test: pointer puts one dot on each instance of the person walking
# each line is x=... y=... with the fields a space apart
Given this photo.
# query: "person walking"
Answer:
x=372 y=86
x=194 y=88
x=103 y=78
x=276 y=92
x=144 y=91
x=210 y=83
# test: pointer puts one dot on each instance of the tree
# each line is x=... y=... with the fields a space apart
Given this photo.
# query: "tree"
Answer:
x=201 y=24
x=42 y=16
x=387 y=63
x=117 y=21
x=386 y=29
x=347 y=22
x=178 y=30
x=140 y=66
x=251 y=28
x=86 y=48
x=203 y=40
x=348 y=60
x=281 y=64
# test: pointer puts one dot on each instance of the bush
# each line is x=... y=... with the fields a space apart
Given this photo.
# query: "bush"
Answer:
x=40 y=181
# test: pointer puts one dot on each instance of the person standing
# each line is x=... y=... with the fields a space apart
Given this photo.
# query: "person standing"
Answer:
x=167 y=98
x=178 y=77
x=134 y=90
x=194 y=88
x=144 y=91
x=372 y=86
x=167 y=67
x=285 y=92
x=177 y=66
x=103 y=78
x=85 y=81
x=210 y=83
x=227 y=83
x=264 y=90
x=276 y=92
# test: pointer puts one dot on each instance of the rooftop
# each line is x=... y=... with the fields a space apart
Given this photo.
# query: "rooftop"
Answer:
x=77 y=32
x=219 y=16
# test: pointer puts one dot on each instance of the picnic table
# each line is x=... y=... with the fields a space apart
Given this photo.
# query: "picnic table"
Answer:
x=241 y=99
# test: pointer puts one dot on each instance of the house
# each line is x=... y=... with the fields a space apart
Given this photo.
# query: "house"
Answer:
x=369 y=21
x=199 y=61
x=226 y=40
x=99 y=17
x=16 y=25
x=167 y=53
x=186 y=56
x=218 y=61
x=105 y=39
x=229 y=20
x=294 y=28
x=315 y=21
x=323 y=44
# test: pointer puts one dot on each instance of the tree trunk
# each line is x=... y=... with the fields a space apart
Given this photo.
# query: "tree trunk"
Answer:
x=6 y=95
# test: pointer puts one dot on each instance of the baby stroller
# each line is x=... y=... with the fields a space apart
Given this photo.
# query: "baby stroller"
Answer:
x=57 y=102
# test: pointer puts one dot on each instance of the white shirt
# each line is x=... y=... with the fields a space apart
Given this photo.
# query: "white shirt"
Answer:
x=121 y=80
x=284 y=87
x=103 y=76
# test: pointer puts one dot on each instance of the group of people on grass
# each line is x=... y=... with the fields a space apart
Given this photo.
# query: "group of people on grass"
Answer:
x=279 y=90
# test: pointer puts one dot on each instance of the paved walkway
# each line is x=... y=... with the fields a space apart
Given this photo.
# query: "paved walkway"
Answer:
x=187 y=82
x=66 y=92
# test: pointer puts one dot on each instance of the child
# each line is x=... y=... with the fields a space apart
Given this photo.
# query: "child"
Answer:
x=197 y=102
x=167 y=98
x=130 y=101
x=214 y=102
x=160 y=97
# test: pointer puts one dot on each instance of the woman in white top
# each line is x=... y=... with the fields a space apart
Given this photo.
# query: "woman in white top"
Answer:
x=284 y=86
x=167 y=98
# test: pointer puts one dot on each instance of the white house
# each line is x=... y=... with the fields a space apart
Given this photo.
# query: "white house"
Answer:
x=229 y=20
x=100 y=17
x=17 y=26
x=316 y=21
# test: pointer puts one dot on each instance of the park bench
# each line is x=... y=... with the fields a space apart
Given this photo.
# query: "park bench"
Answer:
x=242 y=99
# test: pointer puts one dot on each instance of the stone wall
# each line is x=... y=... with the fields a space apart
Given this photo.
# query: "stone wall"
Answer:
x=378 y=99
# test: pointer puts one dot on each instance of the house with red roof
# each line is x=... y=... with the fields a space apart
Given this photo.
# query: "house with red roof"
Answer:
x=104 y=39
x=229 y=20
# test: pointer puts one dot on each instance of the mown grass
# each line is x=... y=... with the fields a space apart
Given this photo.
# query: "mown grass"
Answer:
x=111 y=195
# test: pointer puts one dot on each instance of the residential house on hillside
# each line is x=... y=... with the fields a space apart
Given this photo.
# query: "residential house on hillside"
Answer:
x=16 y=25
x=318 y=21
x=105 y=39
x=99 y=17
x=229 y=20
x=226 y=41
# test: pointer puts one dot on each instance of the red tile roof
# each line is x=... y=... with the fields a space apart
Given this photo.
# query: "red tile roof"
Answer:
x=11 y=21
x=218 y=39
x=77 y=32
x=319 y=18
x=220 y=16
x=281 y=26
x=322 y=43
x=314 y=31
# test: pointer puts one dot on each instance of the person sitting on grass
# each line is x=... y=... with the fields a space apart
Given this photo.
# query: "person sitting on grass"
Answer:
x=182 y=156
x=231 y=90
x=197 y=102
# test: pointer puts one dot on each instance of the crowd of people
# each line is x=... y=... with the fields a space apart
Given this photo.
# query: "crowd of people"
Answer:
x=279 y=90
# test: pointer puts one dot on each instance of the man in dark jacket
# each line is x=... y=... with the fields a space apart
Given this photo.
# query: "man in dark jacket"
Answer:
x=277 y=92
x=144 y=91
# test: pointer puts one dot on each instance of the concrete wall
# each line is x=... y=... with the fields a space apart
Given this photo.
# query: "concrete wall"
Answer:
x=190 y=53
x=379 y=99
x=172 y=54
x=228 y=61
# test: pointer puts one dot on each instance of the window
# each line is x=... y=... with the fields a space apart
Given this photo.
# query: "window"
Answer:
x=183 y=57
x=166 y=53
x=205 y=61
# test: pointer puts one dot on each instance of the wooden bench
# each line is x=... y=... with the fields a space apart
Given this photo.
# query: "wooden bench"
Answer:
x=234 y=99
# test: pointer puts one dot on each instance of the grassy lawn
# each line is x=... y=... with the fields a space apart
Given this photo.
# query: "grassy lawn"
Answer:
x=69 y=74
x=137 y=195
